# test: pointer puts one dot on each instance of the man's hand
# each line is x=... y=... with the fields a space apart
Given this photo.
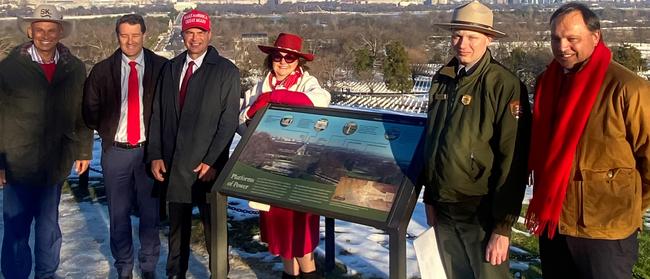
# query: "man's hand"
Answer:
x=497 y=249
x=431 y=214
x=158 y=169
x=3 y=178
x=81 y=166
x=206 y=172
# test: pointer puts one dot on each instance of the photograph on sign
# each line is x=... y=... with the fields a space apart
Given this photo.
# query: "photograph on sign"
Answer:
x=329 y=162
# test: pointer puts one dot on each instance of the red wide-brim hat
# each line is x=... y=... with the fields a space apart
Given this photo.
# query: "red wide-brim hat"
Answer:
x=287 y=43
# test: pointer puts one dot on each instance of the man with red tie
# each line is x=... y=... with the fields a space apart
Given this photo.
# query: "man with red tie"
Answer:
x=194 y=119
x=117 y=102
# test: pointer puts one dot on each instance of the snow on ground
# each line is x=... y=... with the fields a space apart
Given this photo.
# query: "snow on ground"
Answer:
x=86 y=246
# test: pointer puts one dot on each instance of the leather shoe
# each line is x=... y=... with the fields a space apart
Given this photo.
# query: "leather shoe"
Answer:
x=310 y=275
x=148 y=275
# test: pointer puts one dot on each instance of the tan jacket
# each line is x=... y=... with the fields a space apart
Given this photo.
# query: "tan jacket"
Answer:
x=610 y=180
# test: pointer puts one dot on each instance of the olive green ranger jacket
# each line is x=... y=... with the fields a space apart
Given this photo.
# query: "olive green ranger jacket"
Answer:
x=478 y=131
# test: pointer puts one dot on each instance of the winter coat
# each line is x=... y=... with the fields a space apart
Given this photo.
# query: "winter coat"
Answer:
x=41 y=127
x=102 y=101
x=476 y=143
x=307 y=84
x=609 y=187
x=199 y=133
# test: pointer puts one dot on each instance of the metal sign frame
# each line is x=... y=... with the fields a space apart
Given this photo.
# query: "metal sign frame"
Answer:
x=396 y=219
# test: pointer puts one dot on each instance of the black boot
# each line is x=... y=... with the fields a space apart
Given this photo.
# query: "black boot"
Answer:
x=288 y=276
x=310 y=275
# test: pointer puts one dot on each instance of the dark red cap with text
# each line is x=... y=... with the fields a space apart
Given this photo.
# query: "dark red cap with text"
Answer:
x=196 y=19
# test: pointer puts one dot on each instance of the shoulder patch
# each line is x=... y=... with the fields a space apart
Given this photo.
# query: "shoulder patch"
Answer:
x=516 y=109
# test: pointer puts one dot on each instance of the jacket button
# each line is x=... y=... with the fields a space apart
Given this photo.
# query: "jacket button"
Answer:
x=610 y=174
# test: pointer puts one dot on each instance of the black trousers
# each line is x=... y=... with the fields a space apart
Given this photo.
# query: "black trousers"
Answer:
x=575 y=257
x=180 y=230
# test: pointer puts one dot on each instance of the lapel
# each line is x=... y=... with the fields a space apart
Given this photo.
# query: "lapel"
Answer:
x=116 y=74
x=63 y=66
x=197 y=83
x=148 y=72
x=148 y=84
x=176 y=68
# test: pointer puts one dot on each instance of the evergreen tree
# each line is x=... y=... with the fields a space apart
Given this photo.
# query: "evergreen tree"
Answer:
x=363 y=62
x=397 y=72
x=630 y=57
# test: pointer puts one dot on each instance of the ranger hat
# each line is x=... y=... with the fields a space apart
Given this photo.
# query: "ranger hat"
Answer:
x=473 y=16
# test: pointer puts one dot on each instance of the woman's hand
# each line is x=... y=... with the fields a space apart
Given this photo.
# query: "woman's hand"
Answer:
x=261 y=102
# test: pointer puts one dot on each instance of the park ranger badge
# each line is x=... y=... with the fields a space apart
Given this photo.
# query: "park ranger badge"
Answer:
x=516 y=109
x=466 y=100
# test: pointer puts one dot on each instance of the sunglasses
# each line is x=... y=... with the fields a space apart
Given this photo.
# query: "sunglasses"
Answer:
x=289 y=57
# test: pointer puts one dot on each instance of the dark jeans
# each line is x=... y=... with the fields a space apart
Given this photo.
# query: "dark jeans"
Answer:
x=180 y=230
x=128 y=186
x=575 y=257
x=463 y=233
x=22 y=205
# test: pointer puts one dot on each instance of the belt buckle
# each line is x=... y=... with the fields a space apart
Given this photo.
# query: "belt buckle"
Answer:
x=126 y=145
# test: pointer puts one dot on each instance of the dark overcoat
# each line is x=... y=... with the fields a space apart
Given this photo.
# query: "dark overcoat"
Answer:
x=202 y=131
x=41 y=128
x=102 y=100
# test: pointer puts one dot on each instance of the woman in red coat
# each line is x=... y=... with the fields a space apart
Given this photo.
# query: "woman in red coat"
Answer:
x=290 y=234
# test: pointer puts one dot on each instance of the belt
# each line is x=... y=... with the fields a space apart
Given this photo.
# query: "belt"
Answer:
x=126 y=145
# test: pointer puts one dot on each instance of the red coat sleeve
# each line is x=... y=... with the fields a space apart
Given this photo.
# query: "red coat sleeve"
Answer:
x=259 y=103
x=293 y=98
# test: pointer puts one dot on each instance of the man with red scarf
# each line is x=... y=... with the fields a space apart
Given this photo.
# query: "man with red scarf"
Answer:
x=589 y=154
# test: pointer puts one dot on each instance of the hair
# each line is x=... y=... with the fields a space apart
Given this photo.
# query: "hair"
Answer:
x=268 y=63
x=590 y=18
x=131 y=19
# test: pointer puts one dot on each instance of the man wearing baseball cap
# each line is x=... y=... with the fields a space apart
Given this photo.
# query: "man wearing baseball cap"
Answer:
x=194 y=119
x=476 y=148
x=41 y=134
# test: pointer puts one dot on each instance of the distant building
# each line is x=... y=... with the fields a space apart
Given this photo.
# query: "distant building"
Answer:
x=255 y=38
x=246 y=45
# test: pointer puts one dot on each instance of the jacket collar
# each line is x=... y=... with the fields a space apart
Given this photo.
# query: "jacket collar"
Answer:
x=449 y=70
x=64 y=65
x=211 y=57
x=65 y=56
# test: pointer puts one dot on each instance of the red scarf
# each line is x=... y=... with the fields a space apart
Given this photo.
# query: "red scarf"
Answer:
x=560 y=115
x=287 y=82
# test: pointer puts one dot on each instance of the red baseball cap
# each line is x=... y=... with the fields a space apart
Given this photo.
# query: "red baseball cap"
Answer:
x=196 y=19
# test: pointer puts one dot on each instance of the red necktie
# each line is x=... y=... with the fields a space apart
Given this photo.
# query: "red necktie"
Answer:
x=133 y=112
x=186 y=79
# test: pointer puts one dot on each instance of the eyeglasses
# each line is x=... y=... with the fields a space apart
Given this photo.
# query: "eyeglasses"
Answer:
x=289 y=57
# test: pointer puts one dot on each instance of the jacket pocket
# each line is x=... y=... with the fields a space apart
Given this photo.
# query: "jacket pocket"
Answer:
x=611 y=198
x=476 y=168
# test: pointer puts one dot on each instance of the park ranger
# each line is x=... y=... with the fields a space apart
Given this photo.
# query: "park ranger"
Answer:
x=476 y=148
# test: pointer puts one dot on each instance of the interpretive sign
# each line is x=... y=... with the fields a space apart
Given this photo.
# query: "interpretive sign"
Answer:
x=349 y=165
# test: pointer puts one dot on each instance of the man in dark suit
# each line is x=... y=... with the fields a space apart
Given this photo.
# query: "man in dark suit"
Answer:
x=117 y=102
x=194 y=118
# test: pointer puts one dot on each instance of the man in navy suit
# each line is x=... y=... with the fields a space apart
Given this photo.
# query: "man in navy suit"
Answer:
x=118 y=98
